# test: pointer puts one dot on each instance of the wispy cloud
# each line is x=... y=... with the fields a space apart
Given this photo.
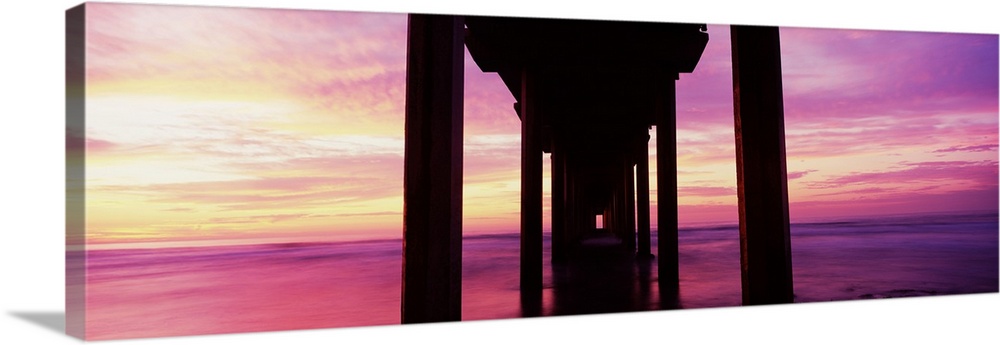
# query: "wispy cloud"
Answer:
x=799 y=174
x=368 y=214
x=851 y=74
x=955 y=172
x=705 y=191
x=272 y=218
x=972 y=148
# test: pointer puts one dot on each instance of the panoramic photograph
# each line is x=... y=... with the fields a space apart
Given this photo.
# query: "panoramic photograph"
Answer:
x=245 y=170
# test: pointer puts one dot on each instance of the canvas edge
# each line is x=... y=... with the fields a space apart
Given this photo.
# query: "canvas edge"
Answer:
x=75 y=171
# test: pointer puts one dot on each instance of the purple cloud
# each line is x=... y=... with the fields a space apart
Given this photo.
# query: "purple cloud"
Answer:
x=979 y=173
x=852 y=74
x=972 y=148
x=799 y=174
x=271 y=218
x=706 y=191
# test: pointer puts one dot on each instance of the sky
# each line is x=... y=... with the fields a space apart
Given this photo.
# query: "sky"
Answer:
x=227 y=124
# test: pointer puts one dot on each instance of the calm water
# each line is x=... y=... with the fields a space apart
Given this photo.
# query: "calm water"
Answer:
x=180 y=291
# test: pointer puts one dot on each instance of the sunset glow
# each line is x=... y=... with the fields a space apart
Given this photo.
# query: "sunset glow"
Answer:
x=241 y=125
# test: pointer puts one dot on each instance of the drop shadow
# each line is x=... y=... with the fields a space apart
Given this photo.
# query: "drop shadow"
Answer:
x=54 y=321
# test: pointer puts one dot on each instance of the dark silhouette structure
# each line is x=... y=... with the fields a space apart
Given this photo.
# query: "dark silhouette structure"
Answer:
x=588 y=93
x=432 y=180
x=762 y=183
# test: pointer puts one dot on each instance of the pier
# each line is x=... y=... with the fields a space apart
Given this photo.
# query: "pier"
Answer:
x=588 y=93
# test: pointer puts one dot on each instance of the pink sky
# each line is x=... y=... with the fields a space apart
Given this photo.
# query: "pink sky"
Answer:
x=277 y=125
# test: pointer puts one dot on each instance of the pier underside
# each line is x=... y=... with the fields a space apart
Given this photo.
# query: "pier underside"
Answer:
x=588 y=93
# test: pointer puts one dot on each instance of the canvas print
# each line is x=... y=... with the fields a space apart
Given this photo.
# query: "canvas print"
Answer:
x=246 y=170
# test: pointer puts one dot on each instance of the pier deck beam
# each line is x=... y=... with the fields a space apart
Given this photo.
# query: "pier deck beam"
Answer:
x=432 y=170
x=762 y=186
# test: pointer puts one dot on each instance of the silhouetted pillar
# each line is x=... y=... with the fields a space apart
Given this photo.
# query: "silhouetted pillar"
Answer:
x=629 y=193
x=760 y=166
x=609 y=218
x=558 y=189
x=613 y=211
x=572 y=204
x=432 y=170
x=642 y=199
x=666 y=180
x=619 y=210
x=581 y=207
x=608 y=225
x=531 y=186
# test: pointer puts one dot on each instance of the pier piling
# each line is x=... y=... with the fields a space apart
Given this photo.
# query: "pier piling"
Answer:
x=432 y=170
x=589 y=98
x=762 y=185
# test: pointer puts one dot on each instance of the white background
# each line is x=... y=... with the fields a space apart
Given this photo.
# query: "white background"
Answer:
x=32 y=183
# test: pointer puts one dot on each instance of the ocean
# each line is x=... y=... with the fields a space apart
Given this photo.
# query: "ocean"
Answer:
x=159 y=292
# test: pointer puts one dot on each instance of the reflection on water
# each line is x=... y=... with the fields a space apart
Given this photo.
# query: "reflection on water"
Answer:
x=162 y=292
x=202 y=290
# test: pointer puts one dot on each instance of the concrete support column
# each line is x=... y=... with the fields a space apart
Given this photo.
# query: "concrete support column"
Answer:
x=761 y=177
x=432 y=170
x=610 y=221
x=572 y=205
x=666 y=180
x=642 y=199
x=619 y=209
x=531 y=185
x=608 y=218
x=558 y=189
x=629 y=199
